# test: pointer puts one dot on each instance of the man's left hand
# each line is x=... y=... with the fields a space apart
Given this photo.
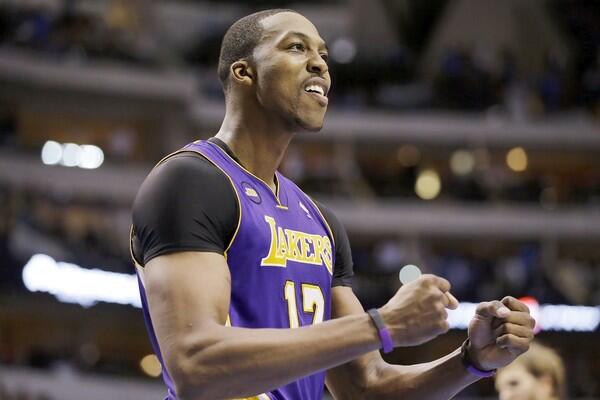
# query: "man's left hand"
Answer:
x=499 y=332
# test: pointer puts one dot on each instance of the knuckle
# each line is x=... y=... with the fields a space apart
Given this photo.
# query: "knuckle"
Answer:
x=502 y=329
x=444 y=314
x=431 y=296
x=444 y=326
x=427 y=279
x=507 y=299
x=510 y=328
x=496 y=304
x=482 y=306
x=439 y=307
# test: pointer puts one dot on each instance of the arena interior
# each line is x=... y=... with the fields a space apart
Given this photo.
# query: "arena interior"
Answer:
x=462 y=139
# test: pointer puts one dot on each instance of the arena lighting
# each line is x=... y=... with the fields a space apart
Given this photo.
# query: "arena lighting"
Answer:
x=516 y=159
x=52 y=152
x=462 y=162
x=343 y=50
x=409 y=273
x=70 y=283
x=71 y=156
x=151 y=366
x=85 y=156
x=428 y=184
x=91 y=156
x=549 y=317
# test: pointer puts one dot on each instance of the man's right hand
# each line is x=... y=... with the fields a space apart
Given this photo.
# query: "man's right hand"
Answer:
x=417 y=312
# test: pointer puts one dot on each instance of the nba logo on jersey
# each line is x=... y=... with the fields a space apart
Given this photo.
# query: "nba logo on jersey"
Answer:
x=303 y=207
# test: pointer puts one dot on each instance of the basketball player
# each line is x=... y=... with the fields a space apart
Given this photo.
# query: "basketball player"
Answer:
x=245 y=280
x=538 y=374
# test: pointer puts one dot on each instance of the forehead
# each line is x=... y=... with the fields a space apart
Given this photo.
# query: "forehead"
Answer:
x=278 y=25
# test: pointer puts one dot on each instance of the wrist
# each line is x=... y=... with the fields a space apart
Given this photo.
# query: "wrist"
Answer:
x=383 y=332
x=470 y=364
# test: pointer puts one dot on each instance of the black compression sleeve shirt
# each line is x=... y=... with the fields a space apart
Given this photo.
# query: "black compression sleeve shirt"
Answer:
x=186 y=203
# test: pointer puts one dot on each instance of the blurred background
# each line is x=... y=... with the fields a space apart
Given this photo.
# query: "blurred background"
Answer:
x=463 y=137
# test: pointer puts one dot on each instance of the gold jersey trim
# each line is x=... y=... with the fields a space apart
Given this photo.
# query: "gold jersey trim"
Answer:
x=237 y=196
x=139 y=264
x=277 y=185
x=261 y=396
x=323 y=218
x=135 y=261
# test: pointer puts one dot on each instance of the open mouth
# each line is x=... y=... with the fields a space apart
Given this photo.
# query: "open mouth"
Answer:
x=318 y=92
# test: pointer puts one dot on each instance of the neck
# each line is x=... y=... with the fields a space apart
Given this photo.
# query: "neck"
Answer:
x=257 y=140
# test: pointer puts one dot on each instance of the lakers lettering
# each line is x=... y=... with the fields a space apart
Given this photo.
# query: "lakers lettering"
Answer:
x=288 y=244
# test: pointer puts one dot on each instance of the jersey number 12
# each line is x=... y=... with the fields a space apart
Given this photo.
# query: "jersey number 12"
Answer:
x=312 y=302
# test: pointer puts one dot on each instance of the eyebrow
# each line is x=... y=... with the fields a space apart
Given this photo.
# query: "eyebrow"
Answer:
x=306 y=38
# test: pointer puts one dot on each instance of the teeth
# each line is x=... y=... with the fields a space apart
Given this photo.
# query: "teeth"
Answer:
x=315 y=88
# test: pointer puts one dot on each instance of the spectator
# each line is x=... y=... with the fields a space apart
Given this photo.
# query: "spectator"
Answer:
x=538 y=374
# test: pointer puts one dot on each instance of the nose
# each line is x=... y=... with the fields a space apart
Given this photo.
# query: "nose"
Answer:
x=317 y=65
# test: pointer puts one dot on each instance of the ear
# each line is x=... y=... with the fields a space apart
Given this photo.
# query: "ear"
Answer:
x=242 y=73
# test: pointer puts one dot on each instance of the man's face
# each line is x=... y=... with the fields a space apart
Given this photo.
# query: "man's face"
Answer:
x=516 y=383
x=292 y=78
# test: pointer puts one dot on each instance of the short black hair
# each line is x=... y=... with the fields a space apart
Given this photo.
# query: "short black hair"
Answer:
x=240 y=40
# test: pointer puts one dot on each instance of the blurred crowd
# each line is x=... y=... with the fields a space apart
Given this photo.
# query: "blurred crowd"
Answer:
x=474 y=176
x=119 y=34
x=478 y=271
x=83 y=231
x=94 y=234
x=21 y=394
x=467 y=79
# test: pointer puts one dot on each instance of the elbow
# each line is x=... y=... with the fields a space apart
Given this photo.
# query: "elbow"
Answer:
x=194 y=376
x=189 y=383
x=197 y=385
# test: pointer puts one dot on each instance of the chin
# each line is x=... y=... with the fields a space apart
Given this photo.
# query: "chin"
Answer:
x=314 y=124
x=314 y=128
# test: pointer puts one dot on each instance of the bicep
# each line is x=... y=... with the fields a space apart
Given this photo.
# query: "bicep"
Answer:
x=187 y=292
x=349 y=381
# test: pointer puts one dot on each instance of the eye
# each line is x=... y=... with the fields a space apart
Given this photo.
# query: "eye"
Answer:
x=325 y=57
x=297 y=46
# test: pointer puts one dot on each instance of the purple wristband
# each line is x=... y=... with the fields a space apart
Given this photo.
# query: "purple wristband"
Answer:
x=466 y=361
x=384 y=334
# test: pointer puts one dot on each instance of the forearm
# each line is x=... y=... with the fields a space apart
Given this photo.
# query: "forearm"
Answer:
x=227 y=362
x=436 y=380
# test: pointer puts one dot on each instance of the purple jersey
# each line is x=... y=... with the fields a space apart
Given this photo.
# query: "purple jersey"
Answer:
x=281 y=261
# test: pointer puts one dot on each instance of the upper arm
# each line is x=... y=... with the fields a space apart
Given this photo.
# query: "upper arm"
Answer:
x=350 y=380
x=180 y=232
x=173 y=211
x=187 y=293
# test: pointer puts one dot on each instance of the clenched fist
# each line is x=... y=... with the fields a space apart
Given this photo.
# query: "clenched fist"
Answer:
x=499 y=332
x=417 y=312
